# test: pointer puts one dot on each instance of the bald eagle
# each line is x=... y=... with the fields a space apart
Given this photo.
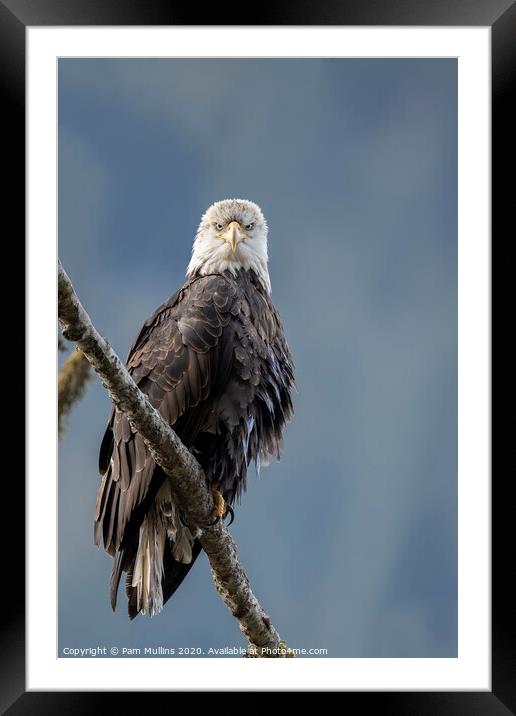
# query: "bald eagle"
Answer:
x=213 y=359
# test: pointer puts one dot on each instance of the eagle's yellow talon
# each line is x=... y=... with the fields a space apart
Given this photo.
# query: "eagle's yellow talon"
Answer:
x=220 y=505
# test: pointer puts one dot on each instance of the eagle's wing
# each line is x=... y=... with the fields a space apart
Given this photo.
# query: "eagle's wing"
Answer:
x=180 y=356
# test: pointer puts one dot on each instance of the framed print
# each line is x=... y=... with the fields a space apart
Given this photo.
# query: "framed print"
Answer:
x=362 y=139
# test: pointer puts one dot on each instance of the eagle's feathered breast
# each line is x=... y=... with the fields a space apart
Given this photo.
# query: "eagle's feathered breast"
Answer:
x=214 y=361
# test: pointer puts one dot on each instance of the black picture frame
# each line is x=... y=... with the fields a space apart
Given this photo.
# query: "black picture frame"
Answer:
x=500 y=15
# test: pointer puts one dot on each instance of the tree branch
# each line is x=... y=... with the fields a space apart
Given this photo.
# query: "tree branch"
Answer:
x=186 y=476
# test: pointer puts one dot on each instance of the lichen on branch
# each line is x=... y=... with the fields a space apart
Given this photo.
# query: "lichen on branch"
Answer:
x=71 y=384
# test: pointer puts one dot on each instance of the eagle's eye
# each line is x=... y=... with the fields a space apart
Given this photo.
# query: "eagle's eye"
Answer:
x=219 y=227
x=249 y=227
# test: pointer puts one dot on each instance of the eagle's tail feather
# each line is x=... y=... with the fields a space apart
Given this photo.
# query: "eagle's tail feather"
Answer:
x=155 y=566
x=176 y=571
x=147 y=567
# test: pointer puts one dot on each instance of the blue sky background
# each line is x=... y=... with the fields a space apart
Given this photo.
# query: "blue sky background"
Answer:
x=350 y=541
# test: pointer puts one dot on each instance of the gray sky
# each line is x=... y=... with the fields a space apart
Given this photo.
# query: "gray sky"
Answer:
x=351 y=540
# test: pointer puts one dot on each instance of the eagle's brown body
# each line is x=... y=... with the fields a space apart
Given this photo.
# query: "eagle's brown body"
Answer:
x=214 y=361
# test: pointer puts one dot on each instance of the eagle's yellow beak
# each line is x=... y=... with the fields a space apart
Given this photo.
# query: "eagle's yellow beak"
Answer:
x=233 y=235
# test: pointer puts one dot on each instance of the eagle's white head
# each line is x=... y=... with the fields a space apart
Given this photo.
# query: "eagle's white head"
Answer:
x=232 y=235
